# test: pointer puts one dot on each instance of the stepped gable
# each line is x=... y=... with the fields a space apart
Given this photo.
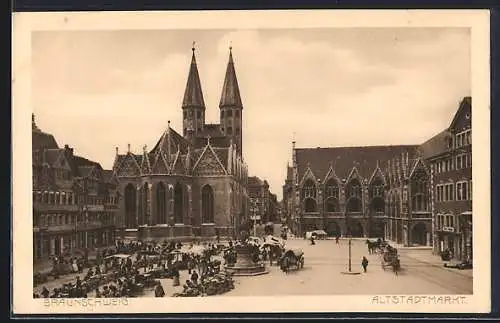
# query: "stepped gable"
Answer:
x=343 y=159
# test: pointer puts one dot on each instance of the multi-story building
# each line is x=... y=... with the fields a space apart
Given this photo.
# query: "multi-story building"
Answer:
x=413 y=195
x=189 y=185
x=372 y=191
x=74 y=199
x=259 y=197
x=449 y=155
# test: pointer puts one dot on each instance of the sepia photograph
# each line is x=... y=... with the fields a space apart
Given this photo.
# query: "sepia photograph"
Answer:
x=226 y=160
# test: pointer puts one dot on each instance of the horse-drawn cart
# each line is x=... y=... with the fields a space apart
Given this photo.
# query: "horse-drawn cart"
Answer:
x=390 y=258
x=292 y=259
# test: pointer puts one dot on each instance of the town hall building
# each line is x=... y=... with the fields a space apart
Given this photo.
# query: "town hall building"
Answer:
x=192 y=184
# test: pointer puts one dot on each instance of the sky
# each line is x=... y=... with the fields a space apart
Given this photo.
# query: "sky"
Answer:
x=97 y=90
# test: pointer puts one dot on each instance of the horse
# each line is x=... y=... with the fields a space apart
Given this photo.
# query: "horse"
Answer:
x=372 y=246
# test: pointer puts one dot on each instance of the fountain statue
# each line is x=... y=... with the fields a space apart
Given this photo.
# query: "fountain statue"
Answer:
x=247 y=261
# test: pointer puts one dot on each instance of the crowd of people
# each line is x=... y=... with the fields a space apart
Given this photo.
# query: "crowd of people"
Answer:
x=129 y=267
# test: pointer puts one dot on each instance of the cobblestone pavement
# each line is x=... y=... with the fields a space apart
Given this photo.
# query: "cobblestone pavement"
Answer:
x=325 y=262
x=322 y=275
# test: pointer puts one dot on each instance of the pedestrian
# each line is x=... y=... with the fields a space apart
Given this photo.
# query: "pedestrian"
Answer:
x=194 y=278
x=337 y=239
x=364 y=263
x=159 y=292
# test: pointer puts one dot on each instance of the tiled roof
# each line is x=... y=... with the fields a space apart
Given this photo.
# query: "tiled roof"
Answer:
x=42 y=140
x=434 y=146
x=193 y=95
x=50 y=156
x=230 y=91
x=84 y=171
x=107 y=175
x=343 y=159
x=176 y=140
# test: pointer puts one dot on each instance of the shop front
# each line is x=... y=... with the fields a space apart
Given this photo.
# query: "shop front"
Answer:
x=449 y=243
x=466 y=236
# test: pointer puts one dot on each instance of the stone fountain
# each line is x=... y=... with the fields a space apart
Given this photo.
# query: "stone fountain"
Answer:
x=245 y=266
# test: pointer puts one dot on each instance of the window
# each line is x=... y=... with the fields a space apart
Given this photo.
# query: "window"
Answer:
x=332 y=189
x=230 y=131
x=464 y=138
x=443 y=166
x=199 y=114
x=222 y=114
x=470 y=190
x=354 y=189
x=191 y=113
x=438 y=167
x=207 y=204
x=463 y=191
x=237 y=113
x=229 y=113
x=185 y=114
x=309 y=189
x=237 y=131
x=459 y=162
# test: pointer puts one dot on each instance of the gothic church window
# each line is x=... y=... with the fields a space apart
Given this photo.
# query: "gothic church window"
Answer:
x=178 y=204
x=130 y=206
x=207 y=204
x=161 y=203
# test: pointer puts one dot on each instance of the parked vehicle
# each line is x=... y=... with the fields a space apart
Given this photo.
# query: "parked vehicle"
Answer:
x=294 y=259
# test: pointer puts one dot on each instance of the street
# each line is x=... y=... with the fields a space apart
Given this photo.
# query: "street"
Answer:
x=325 y=262
x=322 y=274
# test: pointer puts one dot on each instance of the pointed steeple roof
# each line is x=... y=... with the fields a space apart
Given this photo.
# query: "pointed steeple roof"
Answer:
x=230 y=91
x=193 y=96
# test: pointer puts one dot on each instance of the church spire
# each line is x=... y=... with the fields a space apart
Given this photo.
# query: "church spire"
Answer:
x=230 y=96
x=193 y=96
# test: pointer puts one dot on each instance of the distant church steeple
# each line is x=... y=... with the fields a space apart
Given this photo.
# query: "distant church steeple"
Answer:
x=193 y=104
x=231 y=107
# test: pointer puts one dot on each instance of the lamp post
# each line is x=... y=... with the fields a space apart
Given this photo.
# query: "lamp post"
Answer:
x=349 y=268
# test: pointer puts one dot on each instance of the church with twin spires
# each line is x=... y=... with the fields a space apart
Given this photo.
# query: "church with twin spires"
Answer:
x=192 y=184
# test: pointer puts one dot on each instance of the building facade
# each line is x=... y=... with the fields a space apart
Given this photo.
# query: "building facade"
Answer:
x=189 y=185
x=449 y=155
x=74 y=200
x=263 y=204
x=413 y=195
x=374 y=191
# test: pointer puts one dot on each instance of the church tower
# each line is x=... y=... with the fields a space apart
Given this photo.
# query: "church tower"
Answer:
x=193 y=104
x=231 y=108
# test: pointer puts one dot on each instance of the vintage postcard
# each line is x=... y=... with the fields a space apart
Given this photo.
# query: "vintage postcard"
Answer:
x=251 y=161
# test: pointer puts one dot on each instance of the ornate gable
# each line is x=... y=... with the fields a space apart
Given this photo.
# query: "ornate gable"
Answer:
x=354 y=174
x=308 y=174
x=332 y=174
x=129 y=167
x=378 y=173
x=160 y=165
x=419 y=164
x=145 y=165
x=209 y=163
x=61 y=162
